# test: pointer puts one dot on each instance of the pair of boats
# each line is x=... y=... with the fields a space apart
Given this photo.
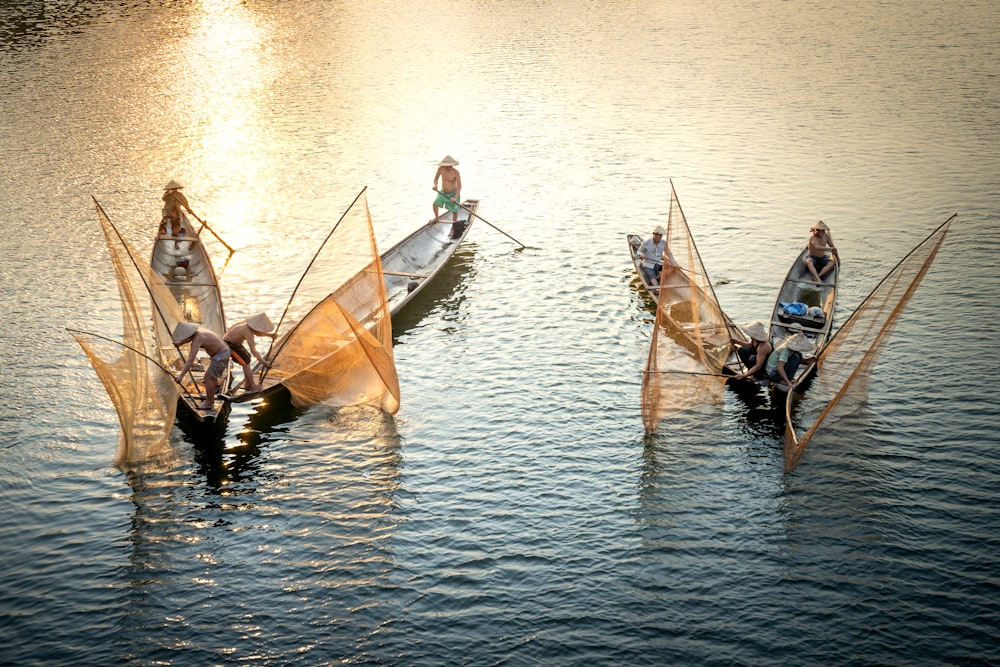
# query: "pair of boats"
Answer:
x=692 y=355
x=332 y=345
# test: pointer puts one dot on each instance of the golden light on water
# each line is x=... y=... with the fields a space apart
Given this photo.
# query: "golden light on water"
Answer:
x=227 y=79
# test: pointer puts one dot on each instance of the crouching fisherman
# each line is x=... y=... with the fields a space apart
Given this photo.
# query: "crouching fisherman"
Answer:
x=753 y=353
x=215 y=347
x=783 y=363
x=244 y=332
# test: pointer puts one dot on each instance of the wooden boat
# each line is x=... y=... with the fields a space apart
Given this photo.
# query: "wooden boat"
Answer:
x=412 y=263
x=800 y=291
x=186 y=269
x=634 y=242
x=184 y=265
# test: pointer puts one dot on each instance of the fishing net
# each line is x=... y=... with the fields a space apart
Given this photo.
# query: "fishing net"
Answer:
x=338 y=351
x=690 y=342
x=845 y=365
x=142 y=392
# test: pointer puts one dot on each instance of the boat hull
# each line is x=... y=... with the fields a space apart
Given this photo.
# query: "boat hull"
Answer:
x=186 y=269
x=799 y=287
x=412 y=264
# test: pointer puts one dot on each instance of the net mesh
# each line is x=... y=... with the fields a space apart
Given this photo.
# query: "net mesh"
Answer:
x=690 y=342
x=338 y=351
x=143 y=394
x=846 y=363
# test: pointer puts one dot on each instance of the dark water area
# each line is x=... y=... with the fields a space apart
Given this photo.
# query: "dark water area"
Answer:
x=513 y=512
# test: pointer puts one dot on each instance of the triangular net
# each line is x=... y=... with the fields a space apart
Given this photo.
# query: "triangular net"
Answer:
x=690 y=342
x=338 y=351
x=845 y=365
x=141 y=390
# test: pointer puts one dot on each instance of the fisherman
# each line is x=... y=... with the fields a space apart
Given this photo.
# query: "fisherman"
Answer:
x=244 y=332
x=653 y=252
x=173 y=201
x=753 y=353
x=786 y=358
x=450 y=192
x=817 y=261
x=215 y=347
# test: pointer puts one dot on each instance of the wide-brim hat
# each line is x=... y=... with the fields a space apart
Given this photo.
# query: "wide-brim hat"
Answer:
x=173 y=185
x=800 y=343
x=183 y=331
x=260 y=323
x=821 y=225
x=659 y=230
x=756 y=330
x=448 y=161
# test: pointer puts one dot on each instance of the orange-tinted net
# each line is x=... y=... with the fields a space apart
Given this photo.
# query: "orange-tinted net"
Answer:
x=339 y=349
x=143 y=394
x=845 y=364
x=690 y=342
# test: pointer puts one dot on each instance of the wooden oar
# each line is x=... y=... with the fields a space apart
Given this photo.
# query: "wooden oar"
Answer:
x=205 y=225
x=714 y=375
x=410 y=275
x=470 y=212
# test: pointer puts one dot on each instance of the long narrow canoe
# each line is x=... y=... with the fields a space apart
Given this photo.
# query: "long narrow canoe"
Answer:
x=412 y=263
x=819 y=300
x=186 y=269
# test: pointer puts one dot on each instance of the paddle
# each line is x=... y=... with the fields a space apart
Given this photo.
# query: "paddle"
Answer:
x=470 y=212
x=713 y=375
x=205 y=225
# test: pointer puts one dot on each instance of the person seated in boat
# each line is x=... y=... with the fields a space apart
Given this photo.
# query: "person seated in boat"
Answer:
x=818 y=261
x=652 y=252
x=244 y=332
x=214 y=346
x=450 y=191
x=785 y=360
x=753 y=353
x=173 y=201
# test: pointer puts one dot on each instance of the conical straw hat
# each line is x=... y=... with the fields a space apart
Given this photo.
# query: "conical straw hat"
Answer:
x=799 y=343
x=448 y=161
x=260 y=323
x=756 y=330
x=173 y=185
x=183 y=331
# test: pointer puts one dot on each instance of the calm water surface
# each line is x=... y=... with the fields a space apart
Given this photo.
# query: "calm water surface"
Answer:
x=512 y=512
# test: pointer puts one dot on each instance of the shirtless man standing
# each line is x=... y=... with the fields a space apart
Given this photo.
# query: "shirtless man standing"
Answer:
x=450 y=192
x=173 y=201
x=244 y=332
x=817 y=260
x=216 y=349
